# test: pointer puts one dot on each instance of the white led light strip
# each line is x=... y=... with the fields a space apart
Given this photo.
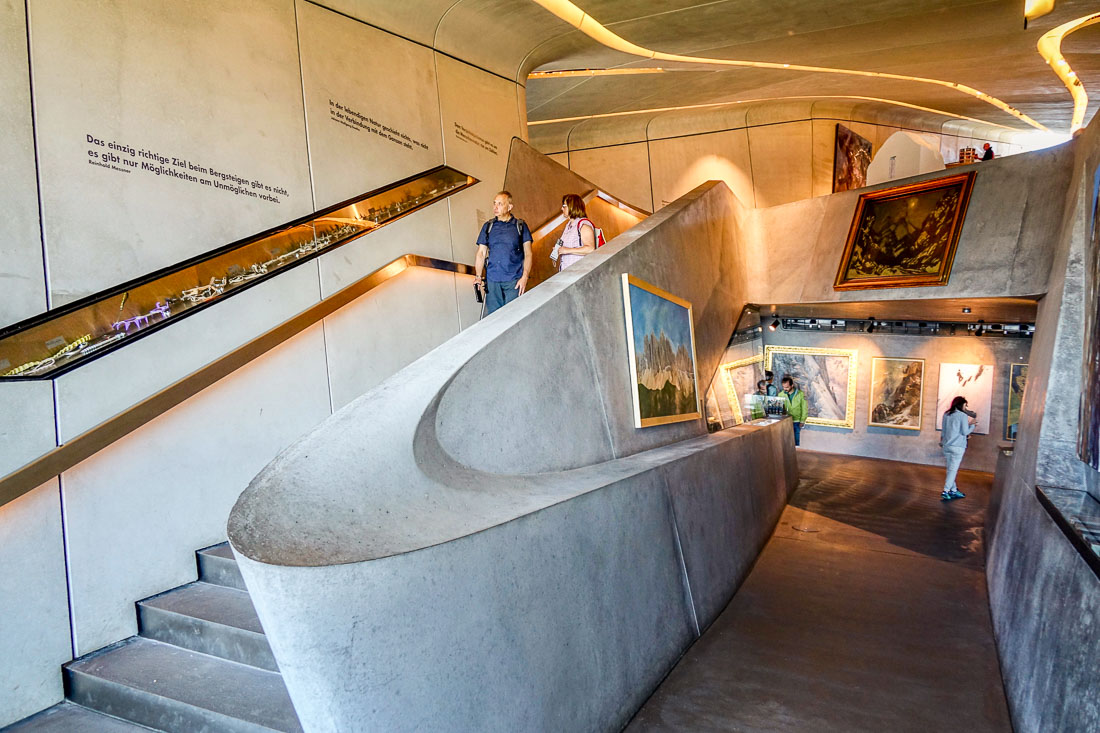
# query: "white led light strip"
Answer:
x=574 y=16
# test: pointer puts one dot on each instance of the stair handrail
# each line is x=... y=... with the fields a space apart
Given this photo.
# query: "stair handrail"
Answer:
x=91 y=441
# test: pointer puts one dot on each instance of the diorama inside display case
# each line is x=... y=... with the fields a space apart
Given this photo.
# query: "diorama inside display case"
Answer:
x=59 y=340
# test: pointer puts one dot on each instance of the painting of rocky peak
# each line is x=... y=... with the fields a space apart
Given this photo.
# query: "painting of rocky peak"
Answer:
x=662 y=354
x=897 y=393
x=826 y=376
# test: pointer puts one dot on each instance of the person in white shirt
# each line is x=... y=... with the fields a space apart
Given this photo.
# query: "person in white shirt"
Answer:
x=579 y=236
x=957 y=426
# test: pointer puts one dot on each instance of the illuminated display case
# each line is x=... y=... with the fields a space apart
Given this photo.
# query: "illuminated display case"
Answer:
x=54 y=342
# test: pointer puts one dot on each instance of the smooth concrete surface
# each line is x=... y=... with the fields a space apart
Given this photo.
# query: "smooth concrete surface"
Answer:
x=89 y=395
x=866 y=611
x=378 y=334
x=394 y=86
x=794 y=144
x=136 y=511
x=905 y=154
x=23 y=272
x=622 y=543
x=479 y=117
x=34 y=605
x=1006 y=245
x=1044 y=597
x=162 y=493
x=592 y=585
x=28 y=430
x=124 y=72
x=916 y=446
x=689 y=249
x=676 y=166
x=777 y=176
x=69 y=718
x=427 y=232
x=623 y=171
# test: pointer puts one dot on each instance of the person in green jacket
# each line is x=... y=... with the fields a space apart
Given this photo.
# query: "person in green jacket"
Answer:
x=796 y=406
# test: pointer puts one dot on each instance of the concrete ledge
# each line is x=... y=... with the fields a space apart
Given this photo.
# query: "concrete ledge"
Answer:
x=484 y=541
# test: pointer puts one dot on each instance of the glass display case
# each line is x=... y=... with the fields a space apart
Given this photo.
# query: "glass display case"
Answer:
x=61 y=339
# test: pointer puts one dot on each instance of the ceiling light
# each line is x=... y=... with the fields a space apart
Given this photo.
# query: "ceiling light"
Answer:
x=585 y=23
x=966 y=309
x=775 y=324
x=871 y=325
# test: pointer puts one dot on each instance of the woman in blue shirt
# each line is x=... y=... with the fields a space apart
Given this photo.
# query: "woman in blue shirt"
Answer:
x=957 y=426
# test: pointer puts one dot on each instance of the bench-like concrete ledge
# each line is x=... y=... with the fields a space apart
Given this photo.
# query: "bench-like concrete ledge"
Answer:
x=485 y=542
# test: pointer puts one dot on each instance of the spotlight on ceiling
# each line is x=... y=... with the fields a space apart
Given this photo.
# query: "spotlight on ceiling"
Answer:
x=979 y=330
x=774 y=325
x=966 y=309
x=953 y=327
x=813 y=321
x=832 y=322
x=871 y=325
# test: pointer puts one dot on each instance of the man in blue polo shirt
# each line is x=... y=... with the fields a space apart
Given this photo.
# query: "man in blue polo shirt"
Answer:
x=506 y=242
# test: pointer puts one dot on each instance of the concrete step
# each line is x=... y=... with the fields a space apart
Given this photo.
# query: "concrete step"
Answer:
x=168 y=688
x=68 y=718
x=217 y=565
x=212 y=619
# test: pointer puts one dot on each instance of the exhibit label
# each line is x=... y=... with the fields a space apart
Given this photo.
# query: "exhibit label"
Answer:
x=348 y=117
x=126 y=158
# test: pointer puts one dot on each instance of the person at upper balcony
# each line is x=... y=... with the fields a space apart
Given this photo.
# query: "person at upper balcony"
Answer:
x=504 y=259
x=579 y=236
x=987 y=153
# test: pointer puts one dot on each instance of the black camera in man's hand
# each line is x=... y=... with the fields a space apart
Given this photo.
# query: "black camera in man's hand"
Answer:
x=478 y=296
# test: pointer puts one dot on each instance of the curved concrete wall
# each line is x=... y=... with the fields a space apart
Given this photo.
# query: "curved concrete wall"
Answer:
x=1045 y=600
x=768 y=153
x=410 y=577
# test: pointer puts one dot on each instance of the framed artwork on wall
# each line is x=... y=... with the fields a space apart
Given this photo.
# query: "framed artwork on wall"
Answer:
x=660 y=338
x=741 y=377
x=896 y=393
x=850 y=161
x=826 y=376
x=1017 y=384
x=905 y=236
x=972 y=381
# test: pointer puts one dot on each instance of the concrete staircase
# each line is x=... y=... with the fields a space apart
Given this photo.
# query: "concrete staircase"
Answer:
x=200 y=662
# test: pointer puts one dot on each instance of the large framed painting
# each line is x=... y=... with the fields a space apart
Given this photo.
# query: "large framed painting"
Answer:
x=741 y=377
x=853 y=155
x=972 y=381
x=905 y=236
x=897 y=393
x=1017 y=384
x=1088 y=414
x=660 y=337
x=827 y=376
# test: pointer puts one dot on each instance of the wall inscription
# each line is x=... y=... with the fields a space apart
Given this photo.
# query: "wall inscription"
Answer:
x=357 y=121
x=469 y=136
x=126 y=158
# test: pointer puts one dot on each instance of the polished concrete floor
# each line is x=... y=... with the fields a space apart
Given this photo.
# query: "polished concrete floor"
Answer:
x=866 y=611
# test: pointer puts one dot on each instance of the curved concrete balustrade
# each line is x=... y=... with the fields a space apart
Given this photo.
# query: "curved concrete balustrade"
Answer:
x=485 y=542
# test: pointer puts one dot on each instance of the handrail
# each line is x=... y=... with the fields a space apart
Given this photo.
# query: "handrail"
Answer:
x=95 y=439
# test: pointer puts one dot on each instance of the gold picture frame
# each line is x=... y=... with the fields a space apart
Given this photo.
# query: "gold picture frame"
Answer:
x=829 y=402
x=731 y=390
x=905 y=236
x=660 y=328
x=888 y=411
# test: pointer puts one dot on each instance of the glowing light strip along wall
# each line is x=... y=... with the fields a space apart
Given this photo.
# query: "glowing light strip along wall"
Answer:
x=1050 y=48
x=654 y=110
x=574 y=16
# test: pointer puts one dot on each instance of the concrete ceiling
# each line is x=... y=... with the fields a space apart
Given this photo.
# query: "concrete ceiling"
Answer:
x=980 y=43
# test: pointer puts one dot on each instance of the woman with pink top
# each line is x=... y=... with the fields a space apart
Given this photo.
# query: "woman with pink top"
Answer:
x=579 y=236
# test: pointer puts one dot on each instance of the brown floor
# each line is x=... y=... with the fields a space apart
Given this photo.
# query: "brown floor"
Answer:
x=866 y=611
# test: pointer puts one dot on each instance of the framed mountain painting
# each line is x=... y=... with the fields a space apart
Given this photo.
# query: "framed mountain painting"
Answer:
x=660 y=338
